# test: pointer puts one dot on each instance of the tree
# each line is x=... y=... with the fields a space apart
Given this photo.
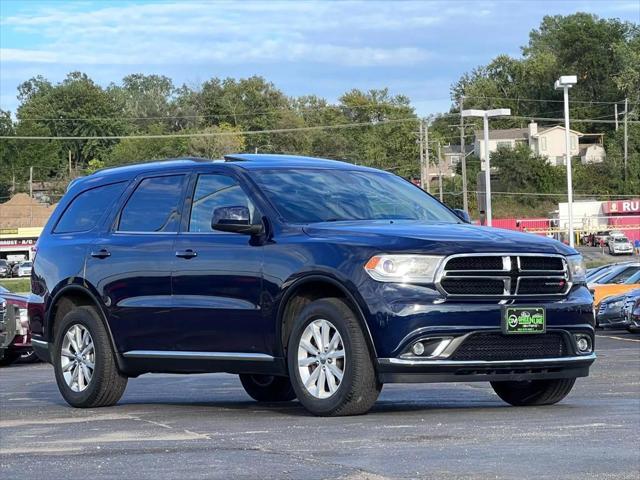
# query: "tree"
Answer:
x=219 y=145
x=134 y=150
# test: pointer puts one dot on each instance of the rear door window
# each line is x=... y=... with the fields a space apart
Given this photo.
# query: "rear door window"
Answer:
x=86 y=209
x=154 y=206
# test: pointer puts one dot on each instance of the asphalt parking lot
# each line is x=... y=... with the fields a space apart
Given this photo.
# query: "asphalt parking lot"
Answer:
x=205 y=426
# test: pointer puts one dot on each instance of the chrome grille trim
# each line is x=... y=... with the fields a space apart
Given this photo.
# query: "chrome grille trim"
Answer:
x=509 y=275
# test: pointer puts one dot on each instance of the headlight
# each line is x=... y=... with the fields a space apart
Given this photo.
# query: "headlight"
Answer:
x=403 y=268
x=577 y=269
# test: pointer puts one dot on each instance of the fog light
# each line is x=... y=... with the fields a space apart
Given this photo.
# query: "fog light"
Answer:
x=418 y=348
x=583 y=343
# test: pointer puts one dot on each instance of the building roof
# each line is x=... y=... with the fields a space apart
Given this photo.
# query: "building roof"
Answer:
x=504 y=134
x=455 y=149
x=555 y=127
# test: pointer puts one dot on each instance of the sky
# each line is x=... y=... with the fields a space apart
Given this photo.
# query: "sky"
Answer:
x=418 y=49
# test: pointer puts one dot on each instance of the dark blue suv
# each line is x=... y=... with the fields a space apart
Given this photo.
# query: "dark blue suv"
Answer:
x=311 y=279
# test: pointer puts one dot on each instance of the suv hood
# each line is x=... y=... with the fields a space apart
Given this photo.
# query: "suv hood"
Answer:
x=436 y=238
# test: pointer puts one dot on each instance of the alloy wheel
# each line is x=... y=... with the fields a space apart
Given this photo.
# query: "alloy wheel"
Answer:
x=77 y=357
x=321 y=358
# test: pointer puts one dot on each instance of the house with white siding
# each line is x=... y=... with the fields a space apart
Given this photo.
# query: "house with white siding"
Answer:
x=547 y=142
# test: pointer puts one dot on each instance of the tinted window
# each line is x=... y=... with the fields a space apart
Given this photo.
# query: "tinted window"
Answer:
x=215 y=191
x=87 y=208
x=624 y=275
x=154 y=206
x=321 y=195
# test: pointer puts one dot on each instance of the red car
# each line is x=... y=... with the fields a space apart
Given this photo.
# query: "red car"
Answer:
x=15 y=333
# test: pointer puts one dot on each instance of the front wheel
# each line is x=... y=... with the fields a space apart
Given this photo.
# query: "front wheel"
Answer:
x=84 y=362
x=329 y=361
x=534 y=392
x=268 y=388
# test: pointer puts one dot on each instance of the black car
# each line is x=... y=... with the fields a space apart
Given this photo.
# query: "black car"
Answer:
x=309 y=278
x=631 y=311
x=610 y=313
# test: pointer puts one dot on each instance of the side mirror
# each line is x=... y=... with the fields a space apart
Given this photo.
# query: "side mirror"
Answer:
x=234 y=219
x=463 y=215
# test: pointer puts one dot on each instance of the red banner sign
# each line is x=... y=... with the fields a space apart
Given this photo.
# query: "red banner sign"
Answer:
x=621 y=206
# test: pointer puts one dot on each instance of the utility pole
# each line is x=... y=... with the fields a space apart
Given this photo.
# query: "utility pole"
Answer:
x=615 y=114
x=421 y=142
x=463 y=156
x=626 y=138
x=31 y=182
x=70 y=174
x=440 y=173
x=426 y=161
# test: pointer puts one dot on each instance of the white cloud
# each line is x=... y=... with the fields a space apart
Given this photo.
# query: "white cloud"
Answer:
x=348 y=34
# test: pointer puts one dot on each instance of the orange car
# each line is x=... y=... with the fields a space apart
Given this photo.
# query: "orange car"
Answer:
x=606 y=290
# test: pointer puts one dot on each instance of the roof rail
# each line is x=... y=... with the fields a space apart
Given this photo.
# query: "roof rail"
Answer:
x=186 y=159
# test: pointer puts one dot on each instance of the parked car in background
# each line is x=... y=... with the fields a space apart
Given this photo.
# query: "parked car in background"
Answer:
x=617 y=274
x=602 y=291
x=15 y=332
x=611 y=312
x=311 y=279
x=620 y=245
x=5 y=269
x=631 y=311
x=22 y=269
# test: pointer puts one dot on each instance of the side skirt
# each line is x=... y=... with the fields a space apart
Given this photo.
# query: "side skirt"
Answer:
x=137 y=362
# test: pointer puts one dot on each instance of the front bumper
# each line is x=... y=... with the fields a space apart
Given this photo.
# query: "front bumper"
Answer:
x=398 y=370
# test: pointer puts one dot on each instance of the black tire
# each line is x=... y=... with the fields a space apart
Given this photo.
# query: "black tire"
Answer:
x=8 y=358
x=107 y=384
x=633 y=329
x=359 y=388
x=268 y=388
x=29 y=357
x=534 y=392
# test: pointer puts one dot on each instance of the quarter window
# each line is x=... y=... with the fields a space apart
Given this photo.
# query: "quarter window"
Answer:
x=154 y=206
x=216 y=191
x=86 y=209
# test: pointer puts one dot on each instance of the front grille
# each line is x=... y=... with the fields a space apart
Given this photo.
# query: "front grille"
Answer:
x=541 y=263
x=504 y=275
x=498 y=347
x=471 y=286
x=539 y=286
x=602 y=308
x=474 y=263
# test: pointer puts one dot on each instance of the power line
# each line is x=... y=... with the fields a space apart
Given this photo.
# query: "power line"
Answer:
x=282 y=130
x=545 y=100
x=214 y=134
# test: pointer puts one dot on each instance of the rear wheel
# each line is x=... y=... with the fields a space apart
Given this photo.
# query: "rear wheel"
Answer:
x=84 y=363
x=8 y=358
x=268 y=388
x=534 y=392
x=329 y=361
x=29 y=357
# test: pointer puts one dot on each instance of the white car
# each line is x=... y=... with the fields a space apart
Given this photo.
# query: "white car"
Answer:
x=23 y=269
x=620 y=245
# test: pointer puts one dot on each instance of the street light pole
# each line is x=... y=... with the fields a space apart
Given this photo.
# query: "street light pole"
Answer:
x=565 y=82
x=485 y=114
x=487 y=171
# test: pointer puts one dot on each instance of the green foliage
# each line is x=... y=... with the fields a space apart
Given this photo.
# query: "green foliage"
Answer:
x=225 y=139
x=604 y=53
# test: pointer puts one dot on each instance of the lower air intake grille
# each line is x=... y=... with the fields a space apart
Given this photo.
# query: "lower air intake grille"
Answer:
x=497 y=347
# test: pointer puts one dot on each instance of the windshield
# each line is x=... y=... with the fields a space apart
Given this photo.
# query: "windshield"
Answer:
x=621 y=240
x=25 y=265
x=323 y=195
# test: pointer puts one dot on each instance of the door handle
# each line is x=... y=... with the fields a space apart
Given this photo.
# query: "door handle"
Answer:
x=186 y=254
x=102 y=253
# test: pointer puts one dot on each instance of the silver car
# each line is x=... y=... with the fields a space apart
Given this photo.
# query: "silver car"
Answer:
x=620 y=245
